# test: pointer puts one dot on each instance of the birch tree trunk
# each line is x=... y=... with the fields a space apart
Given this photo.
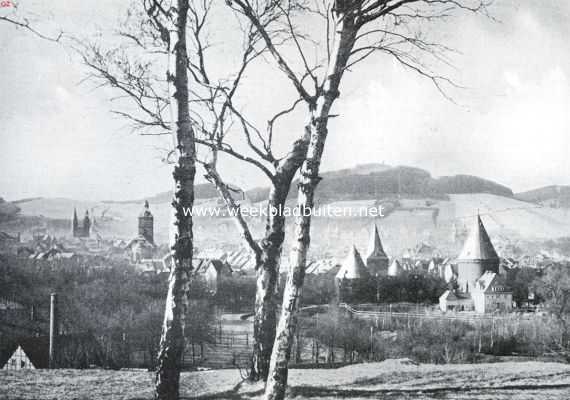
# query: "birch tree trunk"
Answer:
x=265 y=318
x=343 y=43
x=267 y=253
x=181 y=240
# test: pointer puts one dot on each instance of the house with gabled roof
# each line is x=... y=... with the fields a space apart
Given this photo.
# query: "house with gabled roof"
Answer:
x=491 y=293
x=18 y=360
x=211 y=271
x=72 y=351
x=140 y=248
x=453 y=300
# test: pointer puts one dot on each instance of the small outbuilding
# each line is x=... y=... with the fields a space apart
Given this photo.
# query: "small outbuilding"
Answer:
x=453 y=300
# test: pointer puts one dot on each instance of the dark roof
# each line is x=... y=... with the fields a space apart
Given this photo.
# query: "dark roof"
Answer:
x=375 y=248
x=201 y=265
x=454 y=295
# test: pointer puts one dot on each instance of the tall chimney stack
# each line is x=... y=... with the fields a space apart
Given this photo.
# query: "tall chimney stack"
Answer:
x=53 y=329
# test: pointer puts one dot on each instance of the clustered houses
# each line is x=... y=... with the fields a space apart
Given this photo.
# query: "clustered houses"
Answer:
x=478 y=286
x=474 y=279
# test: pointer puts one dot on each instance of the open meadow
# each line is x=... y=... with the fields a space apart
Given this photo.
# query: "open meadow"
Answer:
x=391 y=379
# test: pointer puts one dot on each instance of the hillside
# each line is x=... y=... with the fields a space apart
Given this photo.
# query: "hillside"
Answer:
x=201 y=191
x=552 y=196
x=368 y=181
x=422 y=209
x=8 y=210
x=373 y=181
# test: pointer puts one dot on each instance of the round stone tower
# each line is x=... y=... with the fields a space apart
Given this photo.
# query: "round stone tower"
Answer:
x=478 y=255
x=146 y=223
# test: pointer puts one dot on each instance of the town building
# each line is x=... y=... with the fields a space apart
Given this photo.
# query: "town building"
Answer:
x=353 y=275
x=477 y=257
x=491 y=293
x=146 y=223
x=18 y=360
x=453 y=300
x=142 y=247
x=211 y=272
x=72 y=351
x=479 y=286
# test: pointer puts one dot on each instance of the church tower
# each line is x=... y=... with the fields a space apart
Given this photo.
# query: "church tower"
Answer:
x=376 y=260
x=86 y=225
x=146 y=223
x=478 y=256
x=75 y=224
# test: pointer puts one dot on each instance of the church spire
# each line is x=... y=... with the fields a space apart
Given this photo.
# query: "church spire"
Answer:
x=74 y=223
x=375 y=248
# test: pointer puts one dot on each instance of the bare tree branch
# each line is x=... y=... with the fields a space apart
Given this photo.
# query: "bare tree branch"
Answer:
x=25 y=24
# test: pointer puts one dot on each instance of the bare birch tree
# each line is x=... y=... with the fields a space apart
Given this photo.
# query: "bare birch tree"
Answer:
x=353 y=30
x=164 y=28
x=181 y=240
x=215 y=122
x=214 y=116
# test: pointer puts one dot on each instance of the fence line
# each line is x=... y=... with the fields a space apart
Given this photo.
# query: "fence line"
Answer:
x=416 y=315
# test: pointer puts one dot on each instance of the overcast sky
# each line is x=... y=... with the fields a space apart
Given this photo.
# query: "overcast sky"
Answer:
x=512 y=124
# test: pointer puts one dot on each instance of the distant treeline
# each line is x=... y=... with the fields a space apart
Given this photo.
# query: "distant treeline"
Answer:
x=409 y=181
x=350 y=185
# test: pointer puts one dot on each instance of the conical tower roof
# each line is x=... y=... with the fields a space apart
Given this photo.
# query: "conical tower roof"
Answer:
x=353 y=267
x=375 y=248
x=395 y=268
x=478 y=245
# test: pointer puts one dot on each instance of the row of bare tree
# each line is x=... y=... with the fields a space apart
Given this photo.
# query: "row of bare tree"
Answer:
x=160 y=64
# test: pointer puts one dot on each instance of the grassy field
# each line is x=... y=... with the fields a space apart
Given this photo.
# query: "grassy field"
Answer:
x=391 y=379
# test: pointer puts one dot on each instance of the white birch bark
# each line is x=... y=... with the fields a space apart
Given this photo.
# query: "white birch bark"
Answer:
x=181 y=239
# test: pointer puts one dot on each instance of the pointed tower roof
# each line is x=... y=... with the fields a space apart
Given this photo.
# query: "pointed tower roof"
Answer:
x=478 y=245
x=353 y=267
x=395 y=268
x=375 y=248
x=74 y=214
